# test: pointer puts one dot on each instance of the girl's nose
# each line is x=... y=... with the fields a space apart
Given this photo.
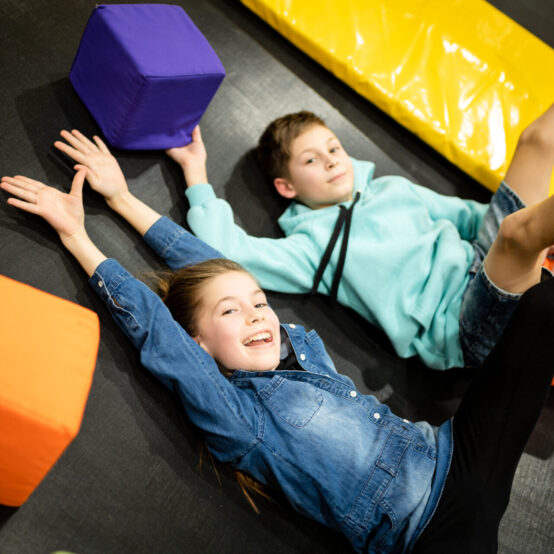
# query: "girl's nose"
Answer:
x=254 y=318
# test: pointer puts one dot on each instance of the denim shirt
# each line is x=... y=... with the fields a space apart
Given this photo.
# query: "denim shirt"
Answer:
x=339 y=456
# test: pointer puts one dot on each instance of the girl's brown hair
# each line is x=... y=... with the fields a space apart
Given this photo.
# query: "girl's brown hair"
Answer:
x=181 y=292
x=273 y=149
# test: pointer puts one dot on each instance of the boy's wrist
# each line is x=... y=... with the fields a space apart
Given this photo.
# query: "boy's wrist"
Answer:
x=194 y=175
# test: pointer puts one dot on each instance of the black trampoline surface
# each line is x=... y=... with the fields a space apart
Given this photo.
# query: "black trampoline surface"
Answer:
x=130 y=481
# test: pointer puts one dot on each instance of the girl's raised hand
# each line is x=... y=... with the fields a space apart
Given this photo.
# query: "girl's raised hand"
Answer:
x=63 y=211
x=101 y=169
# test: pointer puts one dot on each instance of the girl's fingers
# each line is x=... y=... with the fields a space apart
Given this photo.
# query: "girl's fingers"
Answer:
x=83 y=140
x=77 y=184
x=24 y=183
x=75 y=141
x=25 y=206
x=71 y=152
x=101 y=146
x=21 y=192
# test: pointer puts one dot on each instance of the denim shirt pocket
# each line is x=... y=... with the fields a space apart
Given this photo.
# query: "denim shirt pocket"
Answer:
x=295 y=402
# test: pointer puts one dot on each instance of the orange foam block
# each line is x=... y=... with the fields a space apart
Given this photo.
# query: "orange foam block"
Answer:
x=48 y=349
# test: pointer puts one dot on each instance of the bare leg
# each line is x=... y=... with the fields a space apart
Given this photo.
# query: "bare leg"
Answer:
x=514 y=260
x=530 y=170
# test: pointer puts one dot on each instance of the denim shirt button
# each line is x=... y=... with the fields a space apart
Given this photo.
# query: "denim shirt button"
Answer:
x=377 y=416
x=100 y=283
x=405 y=421
x=353 y=393
x=292 y=326
x=302 y=357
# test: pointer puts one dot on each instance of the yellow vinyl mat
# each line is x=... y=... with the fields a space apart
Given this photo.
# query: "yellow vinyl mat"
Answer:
x=461 y=75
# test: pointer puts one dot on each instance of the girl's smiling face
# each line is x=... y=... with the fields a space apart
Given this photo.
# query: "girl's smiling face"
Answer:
x=235 y=324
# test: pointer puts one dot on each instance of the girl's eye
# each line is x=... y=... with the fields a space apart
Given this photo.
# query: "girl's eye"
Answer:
x=334 y=149
x=229 y=311
x=310 y=161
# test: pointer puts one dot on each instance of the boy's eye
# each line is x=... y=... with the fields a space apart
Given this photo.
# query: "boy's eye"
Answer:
x=261 y=305
x=334 y=149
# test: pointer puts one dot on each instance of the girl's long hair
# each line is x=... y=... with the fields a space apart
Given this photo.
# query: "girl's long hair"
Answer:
x=181 y=292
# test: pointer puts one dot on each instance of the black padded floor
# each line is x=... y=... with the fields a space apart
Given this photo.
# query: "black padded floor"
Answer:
x=130 y=482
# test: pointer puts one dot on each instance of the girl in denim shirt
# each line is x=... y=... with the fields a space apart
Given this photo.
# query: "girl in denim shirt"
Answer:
x=270 y=402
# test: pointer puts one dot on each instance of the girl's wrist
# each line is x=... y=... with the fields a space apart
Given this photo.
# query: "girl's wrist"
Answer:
x=117 y=202
x=83 y=250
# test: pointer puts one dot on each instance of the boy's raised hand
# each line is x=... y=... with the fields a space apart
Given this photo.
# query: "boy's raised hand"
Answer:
x=101 y=168
x=63 y=211
x=192 y=159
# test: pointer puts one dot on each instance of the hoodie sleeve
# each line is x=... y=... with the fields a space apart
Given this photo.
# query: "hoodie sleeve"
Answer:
x=466 y=215
x=283 y=264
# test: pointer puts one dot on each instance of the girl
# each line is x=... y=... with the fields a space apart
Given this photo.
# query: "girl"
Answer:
x=271 y=403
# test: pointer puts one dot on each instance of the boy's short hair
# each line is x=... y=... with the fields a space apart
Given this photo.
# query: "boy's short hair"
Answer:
x=273 y=151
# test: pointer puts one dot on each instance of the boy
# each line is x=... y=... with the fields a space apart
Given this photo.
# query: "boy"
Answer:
x=440 y=275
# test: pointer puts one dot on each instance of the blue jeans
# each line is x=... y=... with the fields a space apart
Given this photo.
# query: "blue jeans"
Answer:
x=486 y=308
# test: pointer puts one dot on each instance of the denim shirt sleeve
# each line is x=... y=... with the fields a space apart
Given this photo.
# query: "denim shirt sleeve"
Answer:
x=177 y=246
x=225 y=413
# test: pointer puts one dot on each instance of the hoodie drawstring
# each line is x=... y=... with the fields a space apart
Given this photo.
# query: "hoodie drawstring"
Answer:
x=344 y=218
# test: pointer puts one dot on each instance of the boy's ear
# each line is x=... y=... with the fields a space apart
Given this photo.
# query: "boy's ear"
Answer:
x=284 y=188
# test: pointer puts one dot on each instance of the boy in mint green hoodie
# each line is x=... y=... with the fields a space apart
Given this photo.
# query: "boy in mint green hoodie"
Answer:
x=440 y=275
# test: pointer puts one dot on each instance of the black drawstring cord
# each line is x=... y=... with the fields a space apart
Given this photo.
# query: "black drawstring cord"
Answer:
x=344 y=217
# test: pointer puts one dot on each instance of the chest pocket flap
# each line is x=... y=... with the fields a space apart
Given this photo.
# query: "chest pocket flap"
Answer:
x=296 y=402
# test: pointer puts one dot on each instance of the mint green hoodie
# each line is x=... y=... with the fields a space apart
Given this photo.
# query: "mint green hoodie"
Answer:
x=407 y=264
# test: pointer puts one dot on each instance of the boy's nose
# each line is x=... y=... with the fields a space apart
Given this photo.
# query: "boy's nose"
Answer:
x=332 y=163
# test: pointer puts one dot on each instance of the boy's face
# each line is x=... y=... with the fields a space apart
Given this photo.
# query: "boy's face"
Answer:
x=320 y=171
x=235 y=324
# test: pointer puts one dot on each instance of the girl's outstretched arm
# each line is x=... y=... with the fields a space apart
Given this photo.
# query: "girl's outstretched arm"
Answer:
x=63 y=211
x=105 y=177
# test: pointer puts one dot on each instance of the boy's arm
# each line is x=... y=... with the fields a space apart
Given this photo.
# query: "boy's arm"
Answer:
x=466 y=215
x=284 y=264
x=192 y=159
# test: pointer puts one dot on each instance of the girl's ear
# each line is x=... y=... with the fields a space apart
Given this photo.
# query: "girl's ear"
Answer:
x=198 y=340
x=284 y=188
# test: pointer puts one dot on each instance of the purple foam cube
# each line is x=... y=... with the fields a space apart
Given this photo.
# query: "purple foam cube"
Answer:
x=146 y=74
